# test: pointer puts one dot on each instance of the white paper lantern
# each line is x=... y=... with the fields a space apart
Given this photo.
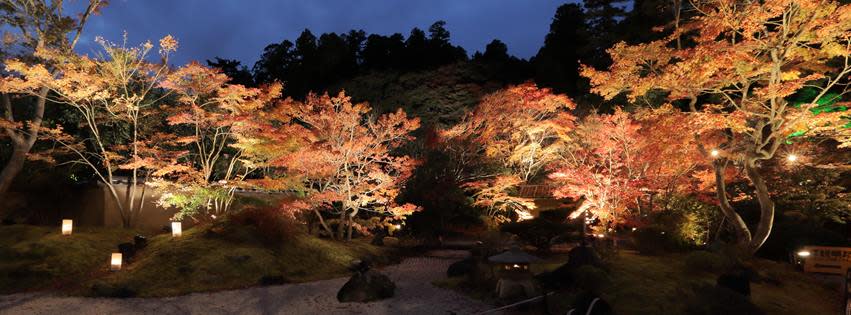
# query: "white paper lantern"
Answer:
x=115 y=262
x=67 y=226
x=176 y=229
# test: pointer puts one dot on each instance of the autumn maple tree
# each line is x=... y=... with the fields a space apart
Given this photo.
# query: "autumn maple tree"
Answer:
x=342 y=156
x=602 y=167
x=739 y=64
x=40 y=25
x=209 y=116
x=615 y=160
x=521 y=130
x=114 y=95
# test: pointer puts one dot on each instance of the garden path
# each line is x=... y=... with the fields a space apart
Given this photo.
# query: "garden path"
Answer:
x=414 y=295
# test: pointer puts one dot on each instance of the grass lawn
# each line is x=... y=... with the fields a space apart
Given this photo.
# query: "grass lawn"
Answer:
x=39 y=258
x=660 y=284
x=664 y=284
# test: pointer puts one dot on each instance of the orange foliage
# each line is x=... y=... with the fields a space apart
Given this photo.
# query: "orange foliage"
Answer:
x=340 y=154
x=520 y=129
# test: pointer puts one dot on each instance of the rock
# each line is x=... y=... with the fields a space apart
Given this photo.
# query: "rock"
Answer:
x=365 y=287
x=272 y=280
x=461 y=268
x=127 y=250
x=583 y=255
x=562 y=276
x=738 y=281
x=360 y=266
x=140 y=242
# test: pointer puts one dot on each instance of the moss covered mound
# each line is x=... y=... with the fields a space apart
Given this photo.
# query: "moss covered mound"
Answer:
x=206 y=258
x=37 y=257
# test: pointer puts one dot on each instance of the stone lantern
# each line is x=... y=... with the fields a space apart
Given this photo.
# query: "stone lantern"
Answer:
x=514 y=273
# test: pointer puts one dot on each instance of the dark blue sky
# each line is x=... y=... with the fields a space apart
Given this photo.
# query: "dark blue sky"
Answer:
x=240 y=29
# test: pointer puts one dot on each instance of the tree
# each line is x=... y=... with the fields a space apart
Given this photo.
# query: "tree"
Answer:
x=416 y=49
x=614 y=160
x=210 y=115
x=521 y=129
x=343 y=158
x=42 y=25
x=114 y=96
x=234 y=70
x=496 y=51
x=275 y=62
x=744 y=63
x=382 y=52
x=602 y=18
x=439 y=50
x=557 y=62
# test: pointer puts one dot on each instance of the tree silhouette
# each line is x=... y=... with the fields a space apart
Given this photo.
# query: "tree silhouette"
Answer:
x=236 y=72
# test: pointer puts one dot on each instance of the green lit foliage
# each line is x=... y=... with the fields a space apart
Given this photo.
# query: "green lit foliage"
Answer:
x=692 y=222
x=195 y=201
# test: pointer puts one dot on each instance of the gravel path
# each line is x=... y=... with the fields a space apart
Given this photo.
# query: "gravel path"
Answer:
x=414 y=295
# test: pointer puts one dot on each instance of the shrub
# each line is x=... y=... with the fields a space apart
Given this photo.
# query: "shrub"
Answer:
x=688 y=221
x=271 y=224
x=703 y=261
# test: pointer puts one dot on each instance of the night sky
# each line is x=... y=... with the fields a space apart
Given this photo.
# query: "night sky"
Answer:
x=240 y=29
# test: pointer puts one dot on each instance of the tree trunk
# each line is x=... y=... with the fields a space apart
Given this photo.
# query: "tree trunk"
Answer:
x=12 y=168
x=341 y=227
x=322 y=223
x=22 y=142
x=743 y=234
x=766 y=207
x=349 y=227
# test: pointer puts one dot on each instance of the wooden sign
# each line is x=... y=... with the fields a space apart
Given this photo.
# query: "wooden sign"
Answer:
x=824 y=259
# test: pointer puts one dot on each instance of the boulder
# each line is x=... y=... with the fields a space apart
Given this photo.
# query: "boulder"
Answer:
x=140 y=242
x=562 y=276
x=366 y=286
x=127 y=250
x=360 y=266
x=583 y=255
x=461 y=268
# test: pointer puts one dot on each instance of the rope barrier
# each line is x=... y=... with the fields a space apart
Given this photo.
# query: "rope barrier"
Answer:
x=515 y=304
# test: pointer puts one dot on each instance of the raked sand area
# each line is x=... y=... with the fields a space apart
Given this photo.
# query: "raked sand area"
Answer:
x=414 y=295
